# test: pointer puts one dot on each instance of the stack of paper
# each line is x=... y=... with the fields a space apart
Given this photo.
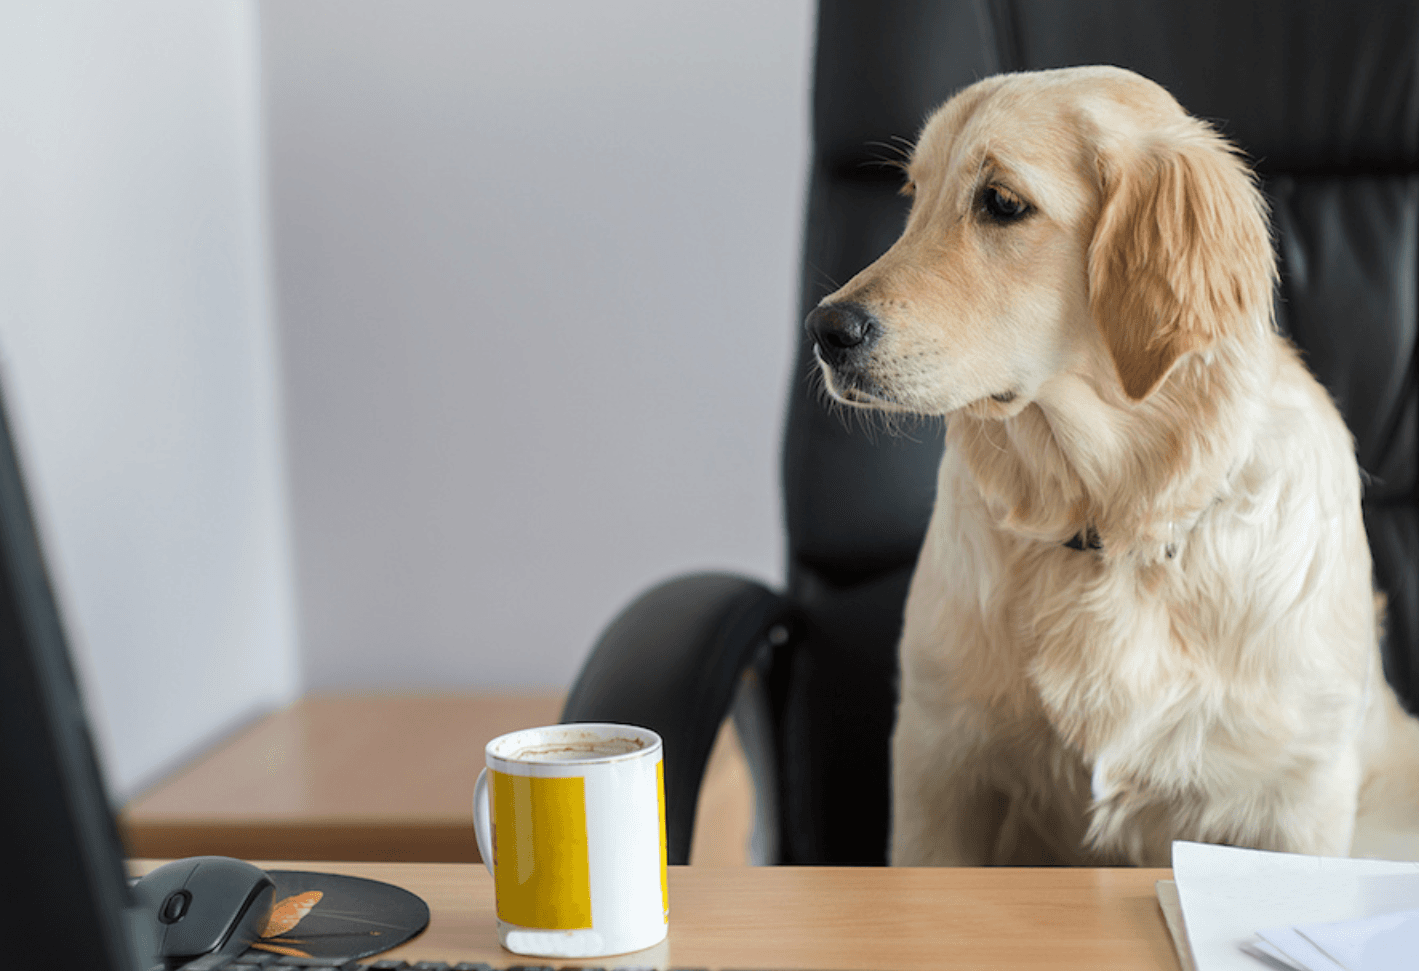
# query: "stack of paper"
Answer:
x=1385 y=943
x=1246 y=910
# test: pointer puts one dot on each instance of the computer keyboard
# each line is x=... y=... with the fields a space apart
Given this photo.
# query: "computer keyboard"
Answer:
x=271 y=962
x=344 y=964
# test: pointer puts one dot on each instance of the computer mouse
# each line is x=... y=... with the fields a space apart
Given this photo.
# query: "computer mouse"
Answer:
x=204 y=905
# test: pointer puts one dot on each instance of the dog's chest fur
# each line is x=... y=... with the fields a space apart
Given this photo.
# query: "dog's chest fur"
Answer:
x=1095 y=678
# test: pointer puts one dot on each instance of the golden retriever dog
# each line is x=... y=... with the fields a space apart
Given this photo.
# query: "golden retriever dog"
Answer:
x=1143 y=610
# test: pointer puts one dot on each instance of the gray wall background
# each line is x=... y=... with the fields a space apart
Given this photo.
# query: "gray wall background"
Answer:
x=536 y=277
x=138 y=358
x=387 y=346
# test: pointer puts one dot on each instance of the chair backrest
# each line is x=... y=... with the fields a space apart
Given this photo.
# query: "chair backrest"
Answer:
x=1324 y=96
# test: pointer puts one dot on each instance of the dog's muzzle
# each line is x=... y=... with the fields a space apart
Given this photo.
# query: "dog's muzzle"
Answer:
x=843 y=333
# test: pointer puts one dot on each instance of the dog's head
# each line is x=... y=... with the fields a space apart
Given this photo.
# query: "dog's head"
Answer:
x=1070 y=221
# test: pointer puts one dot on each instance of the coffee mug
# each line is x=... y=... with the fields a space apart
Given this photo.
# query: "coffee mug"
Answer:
x=571 y=824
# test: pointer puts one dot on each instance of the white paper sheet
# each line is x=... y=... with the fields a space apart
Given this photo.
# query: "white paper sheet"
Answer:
x=1230 y=894
x=1287 y=945
x=1171 y=906
x=1387 y=942
x=1270 y=957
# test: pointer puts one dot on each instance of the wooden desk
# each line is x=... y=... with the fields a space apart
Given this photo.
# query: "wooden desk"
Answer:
x=376 y=778
x=836 y=918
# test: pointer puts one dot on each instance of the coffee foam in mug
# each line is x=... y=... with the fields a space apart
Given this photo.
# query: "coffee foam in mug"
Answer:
x=570 y=750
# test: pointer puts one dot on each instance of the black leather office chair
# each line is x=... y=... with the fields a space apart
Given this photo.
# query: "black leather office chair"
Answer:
x=1323 y=96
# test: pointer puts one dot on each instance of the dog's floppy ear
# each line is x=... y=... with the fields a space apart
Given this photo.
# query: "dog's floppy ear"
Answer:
x=1181 y=252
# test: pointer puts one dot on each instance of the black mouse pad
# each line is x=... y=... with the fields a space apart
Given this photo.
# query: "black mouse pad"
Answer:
x=325 y=915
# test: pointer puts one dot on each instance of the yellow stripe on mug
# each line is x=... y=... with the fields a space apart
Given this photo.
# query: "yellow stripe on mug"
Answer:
x=664 y=843
x=539 y=844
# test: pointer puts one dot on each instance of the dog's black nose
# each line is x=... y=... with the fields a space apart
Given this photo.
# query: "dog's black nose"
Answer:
x=841 y=330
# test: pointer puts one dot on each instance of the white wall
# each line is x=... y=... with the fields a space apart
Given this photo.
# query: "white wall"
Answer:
x=137 y=354
x=537 y=277
x=527 y=350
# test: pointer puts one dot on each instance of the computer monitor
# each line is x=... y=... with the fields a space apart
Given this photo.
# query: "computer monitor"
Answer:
x=67 y=902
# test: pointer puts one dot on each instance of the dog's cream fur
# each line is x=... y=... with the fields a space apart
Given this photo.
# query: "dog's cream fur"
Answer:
x=1109 y=361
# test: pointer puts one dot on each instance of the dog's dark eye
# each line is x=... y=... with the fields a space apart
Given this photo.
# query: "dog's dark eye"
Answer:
x=1002 y=205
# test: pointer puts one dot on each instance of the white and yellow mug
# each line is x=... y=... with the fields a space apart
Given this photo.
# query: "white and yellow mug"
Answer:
x=571 y=824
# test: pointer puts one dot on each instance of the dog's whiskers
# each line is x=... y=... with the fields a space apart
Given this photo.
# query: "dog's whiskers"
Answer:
x=899 y=147
x=868 y=415
x=825 y=278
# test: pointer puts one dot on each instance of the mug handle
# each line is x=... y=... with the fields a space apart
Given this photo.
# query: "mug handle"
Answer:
x=482 y=820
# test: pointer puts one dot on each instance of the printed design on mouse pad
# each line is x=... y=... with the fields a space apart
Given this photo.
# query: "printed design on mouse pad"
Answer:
x=325 y=915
